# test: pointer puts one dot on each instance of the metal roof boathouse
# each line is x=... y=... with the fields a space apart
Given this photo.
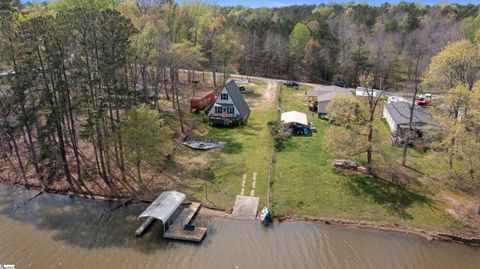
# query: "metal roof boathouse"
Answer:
x=176 y=218
x=165 y=208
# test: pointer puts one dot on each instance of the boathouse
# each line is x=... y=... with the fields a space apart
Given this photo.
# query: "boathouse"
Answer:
x=165 y=208
x=176 y=217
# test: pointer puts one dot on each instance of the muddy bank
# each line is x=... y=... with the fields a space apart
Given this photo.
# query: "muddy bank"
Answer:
x=65 y=191
x=357 y=224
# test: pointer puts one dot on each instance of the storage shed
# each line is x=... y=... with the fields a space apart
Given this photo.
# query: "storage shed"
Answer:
x=318 y=100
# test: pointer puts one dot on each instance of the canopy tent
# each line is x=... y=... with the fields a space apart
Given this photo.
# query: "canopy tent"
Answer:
x=294 y=117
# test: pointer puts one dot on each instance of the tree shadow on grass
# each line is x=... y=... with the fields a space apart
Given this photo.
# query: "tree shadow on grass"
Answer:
x=251 y=129
x=285 y=145
x=225 y=132
x=232 y=147
x=394 y=198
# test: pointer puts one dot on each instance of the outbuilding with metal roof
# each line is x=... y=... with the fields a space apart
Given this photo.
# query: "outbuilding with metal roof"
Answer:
x=165 y=208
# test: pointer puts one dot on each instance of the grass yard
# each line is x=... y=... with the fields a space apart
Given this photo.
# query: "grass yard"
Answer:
x=306 y=184
x=248 y=150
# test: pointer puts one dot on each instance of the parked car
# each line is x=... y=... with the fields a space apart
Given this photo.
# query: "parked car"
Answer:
x=392 y=99
x=291 y=84
x=341 y=83
x=424 y=100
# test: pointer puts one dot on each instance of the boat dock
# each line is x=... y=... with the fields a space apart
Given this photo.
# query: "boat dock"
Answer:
x=182 y=228
x=175 y=215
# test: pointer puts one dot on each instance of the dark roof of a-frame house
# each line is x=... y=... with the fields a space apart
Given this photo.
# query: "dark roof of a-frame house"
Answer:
x=237 y=98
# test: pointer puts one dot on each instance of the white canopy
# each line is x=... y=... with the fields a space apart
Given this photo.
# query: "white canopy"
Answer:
x=294 y=117
x=164 y=206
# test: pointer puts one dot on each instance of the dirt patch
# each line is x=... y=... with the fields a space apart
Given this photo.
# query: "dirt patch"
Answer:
x=463 y=209
x=191 y=163
x=209 y=212
x=266 y=97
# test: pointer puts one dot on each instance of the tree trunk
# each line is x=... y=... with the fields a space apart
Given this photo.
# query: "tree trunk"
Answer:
x=165 y=83
x=178 y=103
x=369 y=145
x=410 y=129
x=72 y=121
x=91 y=114
x=174 y=83
x=120 y=143
x=17 y=154
x=30 y=145
x=214 y=75
x=139 y=173
x=103 y=148
x=58 y=126
x=412 y=109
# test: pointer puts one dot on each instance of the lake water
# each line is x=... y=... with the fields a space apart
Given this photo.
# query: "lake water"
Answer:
x=55 y=231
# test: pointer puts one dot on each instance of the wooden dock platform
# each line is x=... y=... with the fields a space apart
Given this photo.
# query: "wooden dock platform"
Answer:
x=177 y=229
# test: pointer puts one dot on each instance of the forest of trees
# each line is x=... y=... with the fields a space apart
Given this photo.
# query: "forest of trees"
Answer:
x=73 y=70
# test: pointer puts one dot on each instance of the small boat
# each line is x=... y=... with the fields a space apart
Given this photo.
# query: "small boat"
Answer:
x=265 y=216
x=203 y=143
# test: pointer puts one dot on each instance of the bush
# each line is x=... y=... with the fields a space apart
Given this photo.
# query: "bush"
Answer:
x=280 y=142
x=279 y=139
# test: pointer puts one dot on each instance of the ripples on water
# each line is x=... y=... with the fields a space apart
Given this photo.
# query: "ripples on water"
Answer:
x=55 y=231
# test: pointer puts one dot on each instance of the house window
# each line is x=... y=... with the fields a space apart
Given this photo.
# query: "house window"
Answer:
x=224 y=96
x=230 y=110
x=218 y=109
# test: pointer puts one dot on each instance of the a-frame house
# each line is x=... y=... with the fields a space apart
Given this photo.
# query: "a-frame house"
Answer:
x=230 y=107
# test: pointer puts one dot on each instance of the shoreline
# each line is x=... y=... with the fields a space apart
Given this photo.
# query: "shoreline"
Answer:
x=428 y=235
x=359 y=224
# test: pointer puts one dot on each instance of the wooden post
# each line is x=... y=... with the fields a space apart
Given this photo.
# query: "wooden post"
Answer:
x=205 y=190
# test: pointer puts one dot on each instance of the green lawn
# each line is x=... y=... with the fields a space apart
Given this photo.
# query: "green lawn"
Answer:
x=248 y=150
x=306 y=184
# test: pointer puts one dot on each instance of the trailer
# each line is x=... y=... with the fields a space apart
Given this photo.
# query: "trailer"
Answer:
x=198 y=104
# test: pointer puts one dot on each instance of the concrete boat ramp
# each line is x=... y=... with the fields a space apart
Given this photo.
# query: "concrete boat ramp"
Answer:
x=245 y=207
